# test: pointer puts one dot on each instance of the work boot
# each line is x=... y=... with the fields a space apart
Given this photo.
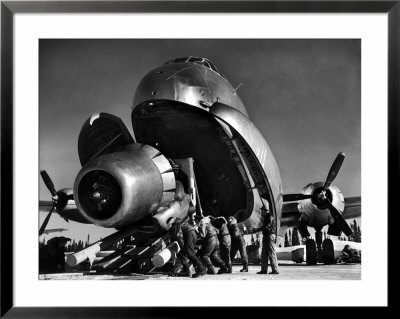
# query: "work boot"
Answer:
x=222 y=270
x=207 y=264
x=199 y=273
x=262 y=272
x=187 y=273
x=274 y=272
x=229 y=268
x=245 y=268
x=186 y=266
x=211 y=270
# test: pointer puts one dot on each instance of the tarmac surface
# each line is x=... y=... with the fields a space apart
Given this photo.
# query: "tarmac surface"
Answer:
x=287 y=271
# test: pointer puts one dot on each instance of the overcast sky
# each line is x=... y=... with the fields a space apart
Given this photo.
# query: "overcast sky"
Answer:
x=303 y=95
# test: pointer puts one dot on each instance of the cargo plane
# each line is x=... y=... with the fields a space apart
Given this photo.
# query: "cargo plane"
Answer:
x=195 y=149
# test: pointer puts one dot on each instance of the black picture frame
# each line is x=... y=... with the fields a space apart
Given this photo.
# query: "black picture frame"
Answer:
x=9 y=8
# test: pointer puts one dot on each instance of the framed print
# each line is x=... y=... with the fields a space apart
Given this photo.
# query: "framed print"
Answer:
x=134 y=107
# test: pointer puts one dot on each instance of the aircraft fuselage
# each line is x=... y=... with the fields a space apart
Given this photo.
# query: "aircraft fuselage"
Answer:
x=186 y=109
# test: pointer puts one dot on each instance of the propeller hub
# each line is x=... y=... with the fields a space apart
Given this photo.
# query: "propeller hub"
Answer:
x=321 y=197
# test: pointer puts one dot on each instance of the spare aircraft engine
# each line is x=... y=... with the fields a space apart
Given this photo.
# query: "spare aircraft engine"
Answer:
x=120 y=188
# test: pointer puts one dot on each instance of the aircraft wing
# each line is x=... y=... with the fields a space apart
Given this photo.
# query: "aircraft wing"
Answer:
x=54 y=230
x=352 y=207
x=45 y=206
x=69 y=212
x=291 y=214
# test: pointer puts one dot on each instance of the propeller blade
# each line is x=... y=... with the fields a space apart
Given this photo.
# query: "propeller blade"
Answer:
x=46 y=221
x=339 y=220
x=48 y=182
x=296 y=197
x=334 y=170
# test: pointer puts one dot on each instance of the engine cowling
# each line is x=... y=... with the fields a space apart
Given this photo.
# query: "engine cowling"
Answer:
x=313 y=213
x=120 y=188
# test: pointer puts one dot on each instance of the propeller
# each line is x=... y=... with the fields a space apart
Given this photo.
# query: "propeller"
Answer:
x=339 y=220
x=46 y=221
x=295 y=197
x=50 y=186
x=321 y=198
x=48 y=182
x=334 y=170
x=330 y=178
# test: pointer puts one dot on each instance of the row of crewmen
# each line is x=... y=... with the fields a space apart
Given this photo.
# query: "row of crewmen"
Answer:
x=219 y=240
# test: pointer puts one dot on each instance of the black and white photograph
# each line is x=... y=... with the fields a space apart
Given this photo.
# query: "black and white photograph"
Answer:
x=171 y=158
x=199 y=159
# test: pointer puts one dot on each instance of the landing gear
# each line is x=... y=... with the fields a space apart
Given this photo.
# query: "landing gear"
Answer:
x=318 y=251
x=318 y=238
x=328 y=253
x=314 y=249
x=311 y=252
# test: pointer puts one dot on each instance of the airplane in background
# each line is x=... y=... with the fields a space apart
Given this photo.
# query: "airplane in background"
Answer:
x=65 y=205
x=195 y=150
x=304 y=213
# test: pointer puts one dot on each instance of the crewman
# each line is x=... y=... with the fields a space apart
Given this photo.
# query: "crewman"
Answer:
x=224 y=238
x=189 y=237
x=238 y=243
x=268 y=245
x=209 y=253
x=52 y=257
x=350 y=255
x=182 y=259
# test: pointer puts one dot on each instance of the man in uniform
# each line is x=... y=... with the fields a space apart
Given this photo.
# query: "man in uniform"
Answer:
x=185 y=235
x=224 y=238
x=52 y=256
x=238 y=243
x=268 y=246
x=350 y=255
x=209 y=251
x=182 y=260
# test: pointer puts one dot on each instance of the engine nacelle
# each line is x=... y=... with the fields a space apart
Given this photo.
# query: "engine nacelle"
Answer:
x=315 y=214
x=120 y=188
x=65 y=200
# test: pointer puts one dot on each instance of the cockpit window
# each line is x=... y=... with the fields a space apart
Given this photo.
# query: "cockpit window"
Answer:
x=213 y=67
x=179 y=60
x=192 y=59
x=206 y=64
x=202 y=61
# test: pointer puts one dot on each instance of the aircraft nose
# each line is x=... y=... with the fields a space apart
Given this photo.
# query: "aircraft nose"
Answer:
x=158 y=84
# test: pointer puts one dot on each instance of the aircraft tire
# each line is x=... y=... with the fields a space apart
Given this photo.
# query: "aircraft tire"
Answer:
x=311 y=252
x=328 y=252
